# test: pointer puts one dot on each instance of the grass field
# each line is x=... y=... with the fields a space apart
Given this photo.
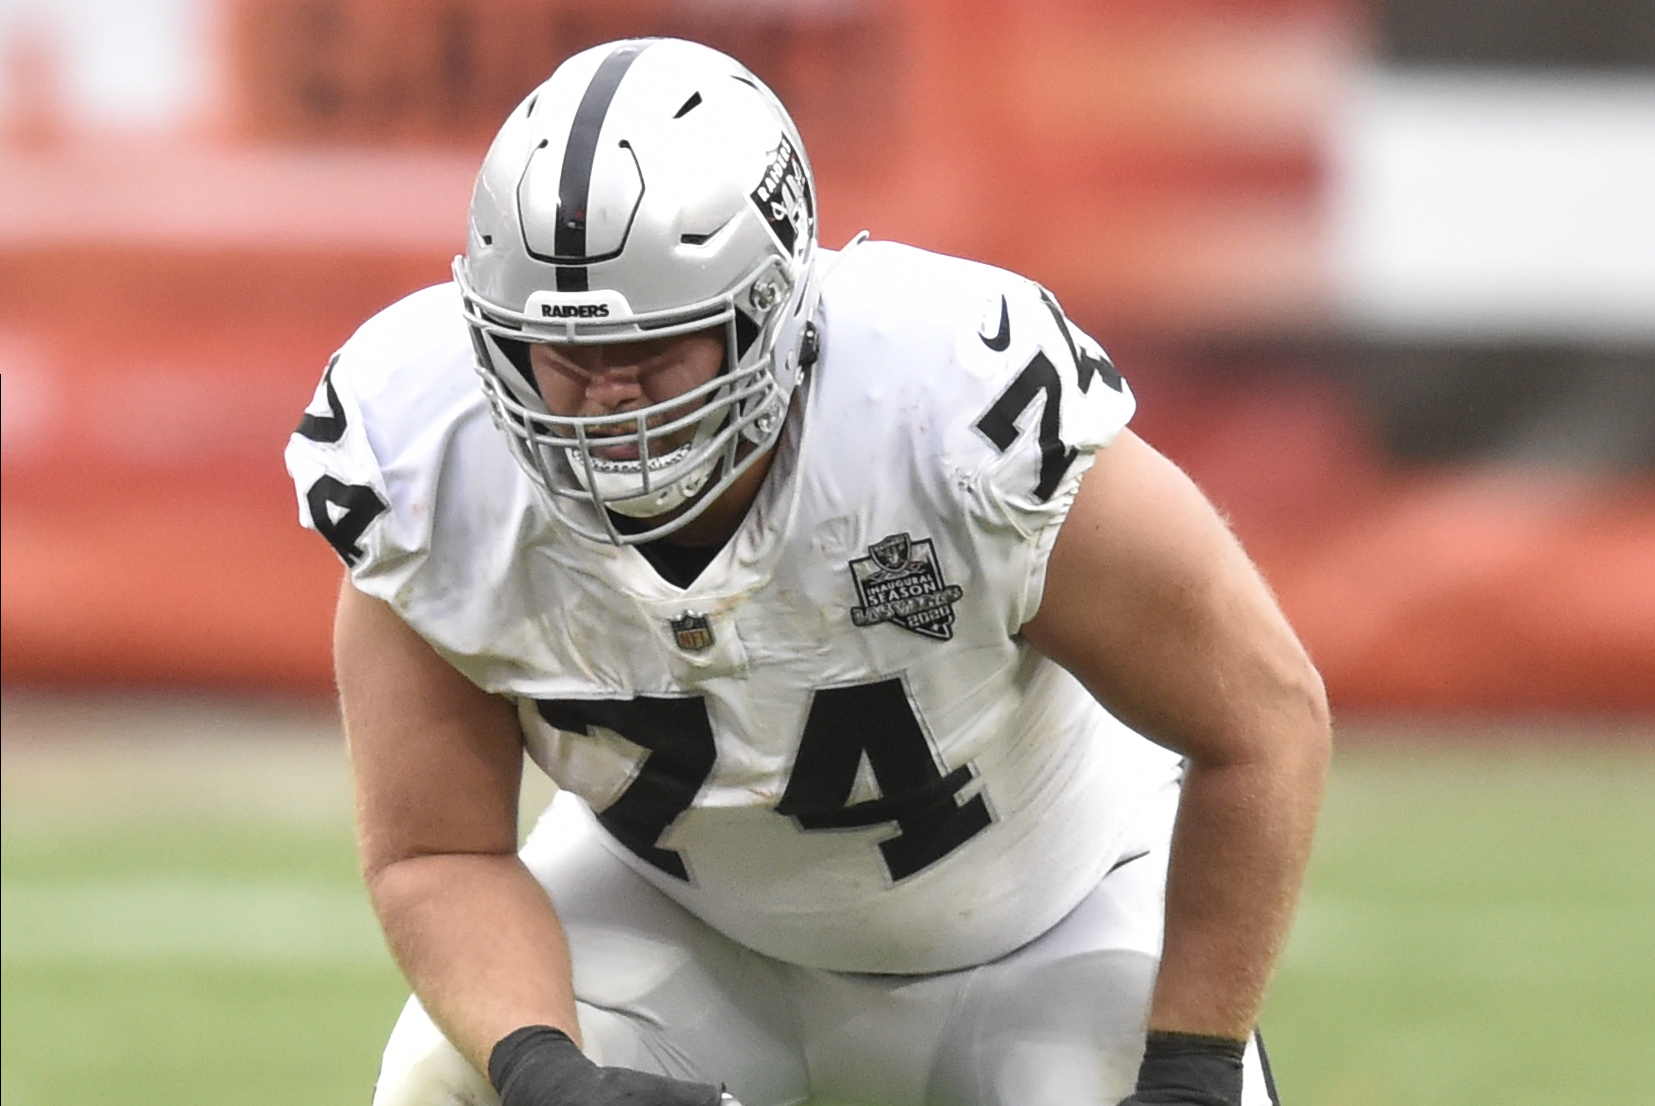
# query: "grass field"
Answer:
x=182 y=922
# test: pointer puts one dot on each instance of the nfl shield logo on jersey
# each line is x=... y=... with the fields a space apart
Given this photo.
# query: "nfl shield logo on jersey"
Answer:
x=900 y=582
x=692 y=631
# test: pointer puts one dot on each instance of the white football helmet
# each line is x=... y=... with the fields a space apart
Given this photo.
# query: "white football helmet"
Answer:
x=649 y=188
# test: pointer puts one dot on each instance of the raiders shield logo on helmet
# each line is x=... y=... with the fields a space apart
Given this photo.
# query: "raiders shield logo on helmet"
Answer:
x=783 y=197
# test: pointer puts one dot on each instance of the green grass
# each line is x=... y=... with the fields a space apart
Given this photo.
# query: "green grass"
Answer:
x=1479 y=927
x=178 y=929
x=182 y=923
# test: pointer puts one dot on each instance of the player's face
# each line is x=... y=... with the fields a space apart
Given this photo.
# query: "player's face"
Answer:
x=590 y=380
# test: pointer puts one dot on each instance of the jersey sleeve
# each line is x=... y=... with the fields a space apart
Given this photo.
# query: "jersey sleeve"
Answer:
x=341 y=490
x=367 y=456
x=1050 y=399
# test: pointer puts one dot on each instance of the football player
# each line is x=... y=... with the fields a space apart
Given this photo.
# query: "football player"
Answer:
x=921 y=734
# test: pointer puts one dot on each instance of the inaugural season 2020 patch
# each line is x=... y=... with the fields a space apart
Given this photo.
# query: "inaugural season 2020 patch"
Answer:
x=900 y=582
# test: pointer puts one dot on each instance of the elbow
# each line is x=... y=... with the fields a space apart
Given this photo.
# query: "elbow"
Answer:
x=387 y=872
x=382 y=871
x=379 y=852
x=1284 y=725
x=408 y=885
x=1310 y=719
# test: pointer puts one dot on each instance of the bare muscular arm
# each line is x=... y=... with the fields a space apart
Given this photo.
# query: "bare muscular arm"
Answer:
x=437 y=765
x=1152 y=604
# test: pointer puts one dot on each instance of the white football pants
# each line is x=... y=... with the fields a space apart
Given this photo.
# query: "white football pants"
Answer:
x=1058 y=1022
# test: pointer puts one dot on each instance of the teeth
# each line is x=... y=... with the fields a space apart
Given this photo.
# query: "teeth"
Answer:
x=612 y=467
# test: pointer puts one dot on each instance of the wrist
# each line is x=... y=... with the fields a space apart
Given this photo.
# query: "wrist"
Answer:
x=536 y=1052
x=1177 y=1039
x=538 y=1065
x=1190 y=1068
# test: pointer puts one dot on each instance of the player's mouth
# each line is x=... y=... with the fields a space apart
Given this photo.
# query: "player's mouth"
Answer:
x=624 y=459
x=619 y=444
x=621 y=451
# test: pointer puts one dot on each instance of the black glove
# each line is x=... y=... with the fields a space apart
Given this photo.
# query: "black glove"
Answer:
x=540 y=1066
x=1184 y=1069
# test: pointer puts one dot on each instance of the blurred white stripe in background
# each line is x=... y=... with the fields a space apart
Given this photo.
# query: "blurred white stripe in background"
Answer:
x=129 y=65
x=1495 y=205
x=147 y=919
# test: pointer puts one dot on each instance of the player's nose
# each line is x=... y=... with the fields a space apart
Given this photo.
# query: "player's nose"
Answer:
x=613 y=381
x=612 y=389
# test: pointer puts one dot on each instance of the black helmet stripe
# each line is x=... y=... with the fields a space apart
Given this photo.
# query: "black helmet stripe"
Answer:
x=575 y=185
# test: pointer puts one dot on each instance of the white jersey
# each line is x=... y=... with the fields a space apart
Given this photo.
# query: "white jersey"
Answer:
x=833 y=746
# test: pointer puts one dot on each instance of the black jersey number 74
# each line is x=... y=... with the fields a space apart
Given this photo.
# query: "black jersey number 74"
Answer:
x=843 y=725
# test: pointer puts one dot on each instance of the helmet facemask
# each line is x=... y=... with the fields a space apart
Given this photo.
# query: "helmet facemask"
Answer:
x=686 y=239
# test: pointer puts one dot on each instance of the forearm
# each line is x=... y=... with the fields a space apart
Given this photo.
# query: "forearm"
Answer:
x=479 y=943
x=1239 y=852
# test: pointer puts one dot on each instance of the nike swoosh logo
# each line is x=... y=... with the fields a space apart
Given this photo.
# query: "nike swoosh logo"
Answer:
x=1000 y=341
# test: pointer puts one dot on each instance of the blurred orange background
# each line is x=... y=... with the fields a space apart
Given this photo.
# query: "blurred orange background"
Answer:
x=169 y=295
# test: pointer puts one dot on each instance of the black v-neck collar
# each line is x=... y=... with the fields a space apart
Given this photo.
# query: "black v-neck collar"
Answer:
x=678 y=565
